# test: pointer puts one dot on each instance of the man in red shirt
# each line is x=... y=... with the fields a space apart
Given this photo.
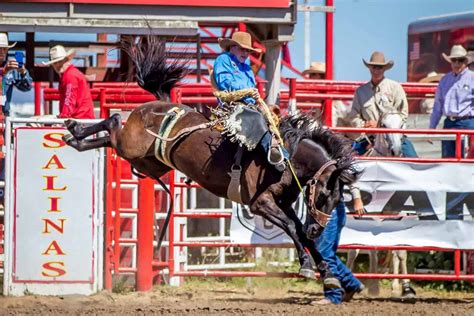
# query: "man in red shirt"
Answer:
x=75 y=99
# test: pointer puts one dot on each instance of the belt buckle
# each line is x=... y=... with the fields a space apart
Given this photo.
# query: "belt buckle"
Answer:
x=452 y=118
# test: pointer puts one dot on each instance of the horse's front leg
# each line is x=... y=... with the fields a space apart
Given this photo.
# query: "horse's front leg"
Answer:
x=266 y=207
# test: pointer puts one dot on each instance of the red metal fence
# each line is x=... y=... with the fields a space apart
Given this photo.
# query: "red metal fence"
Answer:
x=308 y=93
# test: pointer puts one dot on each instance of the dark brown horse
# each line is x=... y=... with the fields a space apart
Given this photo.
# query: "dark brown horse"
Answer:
x=320 y=158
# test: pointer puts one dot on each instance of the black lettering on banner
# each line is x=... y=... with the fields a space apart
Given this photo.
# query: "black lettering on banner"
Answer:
x=455 y=202
x=421 y=204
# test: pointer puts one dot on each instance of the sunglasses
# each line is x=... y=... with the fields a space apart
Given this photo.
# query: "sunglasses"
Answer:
x=458 y=60
x=376 y=67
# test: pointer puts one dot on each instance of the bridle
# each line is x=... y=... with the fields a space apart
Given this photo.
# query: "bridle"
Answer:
x=321 y=218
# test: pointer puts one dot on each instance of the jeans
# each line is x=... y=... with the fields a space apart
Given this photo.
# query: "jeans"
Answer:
x=327 y=244
x=448 y=147
x=408 y=150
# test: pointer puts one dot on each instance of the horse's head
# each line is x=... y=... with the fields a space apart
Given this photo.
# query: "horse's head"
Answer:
x=390 y=144
x=324 y=177
x=322 y=160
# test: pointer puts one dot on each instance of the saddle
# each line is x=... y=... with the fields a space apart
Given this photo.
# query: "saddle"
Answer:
x=245 y=125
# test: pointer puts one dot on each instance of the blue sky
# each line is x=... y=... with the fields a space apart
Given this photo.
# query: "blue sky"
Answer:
x=362 y=26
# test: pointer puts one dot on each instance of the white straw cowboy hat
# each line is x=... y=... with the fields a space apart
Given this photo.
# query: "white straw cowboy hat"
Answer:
x=4 y=41
x=470 y=57
x=316 y=67
x=432 y=77
x=378 y=59
x=58 y=53
x=457 y=51
x=242 y=39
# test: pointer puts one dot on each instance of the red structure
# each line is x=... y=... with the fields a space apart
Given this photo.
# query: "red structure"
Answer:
x=118 y=260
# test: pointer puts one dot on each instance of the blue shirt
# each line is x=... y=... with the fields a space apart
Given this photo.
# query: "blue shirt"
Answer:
x=232 y=75
x=454 y=96
x=22 y=82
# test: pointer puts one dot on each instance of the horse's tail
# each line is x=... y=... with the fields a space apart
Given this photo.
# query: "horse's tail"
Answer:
x=153 y=71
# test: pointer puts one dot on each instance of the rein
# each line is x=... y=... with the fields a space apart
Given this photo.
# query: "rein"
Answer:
x=321 y=218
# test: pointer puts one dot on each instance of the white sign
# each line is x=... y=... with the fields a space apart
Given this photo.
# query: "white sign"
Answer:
x=55 y=214
x=435 y=201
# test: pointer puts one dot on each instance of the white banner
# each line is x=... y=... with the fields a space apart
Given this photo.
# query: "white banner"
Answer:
x=55 y=215
x=435 y=203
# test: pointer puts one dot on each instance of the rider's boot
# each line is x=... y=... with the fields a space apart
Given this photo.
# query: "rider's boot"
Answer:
x=329 y=280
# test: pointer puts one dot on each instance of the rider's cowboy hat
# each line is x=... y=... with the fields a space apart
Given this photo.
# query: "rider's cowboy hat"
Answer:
x=4 y=41
x=58 y=53
x=316 y=67
x=457 y=51
x=378 y=59
x=242 y=39
x=432 y=77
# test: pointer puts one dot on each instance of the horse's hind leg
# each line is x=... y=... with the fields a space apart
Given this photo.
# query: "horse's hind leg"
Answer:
x=80 y=131
x=87 y=144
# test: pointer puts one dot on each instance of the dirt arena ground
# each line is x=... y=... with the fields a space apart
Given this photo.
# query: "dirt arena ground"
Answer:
x=228 y=298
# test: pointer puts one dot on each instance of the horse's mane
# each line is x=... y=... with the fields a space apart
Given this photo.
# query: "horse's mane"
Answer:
x=296 y=127
x=156 y=72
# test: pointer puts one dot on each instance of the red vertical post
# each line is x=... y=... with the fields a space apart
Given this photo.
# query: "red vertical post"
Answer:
x=146 y=213
x=457 y=262
x=242 y=27
x=292 y=96
x=458 y=146
x=329 y=60
x=104 y=113
x=37 y=98
x=176 y=95
x=109 y=228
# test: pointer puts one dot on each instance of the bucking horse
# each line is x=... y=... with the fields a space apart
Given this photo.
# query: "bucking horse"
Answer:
x=320 y=161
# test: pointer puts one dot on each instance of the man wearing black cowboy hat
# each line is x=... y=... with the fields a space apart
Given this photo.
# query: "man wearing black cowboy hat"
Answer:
x=378 y=96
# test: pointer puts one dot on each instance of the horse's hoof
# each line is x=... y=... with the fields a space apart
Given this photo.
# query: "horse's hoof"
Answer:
x=70 y=124
x=331 y=283
x=68 y=138
x=307 y=273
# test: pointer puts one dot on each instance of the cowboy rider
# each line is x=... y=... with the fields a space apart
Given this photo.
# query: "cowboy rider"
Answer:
x=232 y=72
